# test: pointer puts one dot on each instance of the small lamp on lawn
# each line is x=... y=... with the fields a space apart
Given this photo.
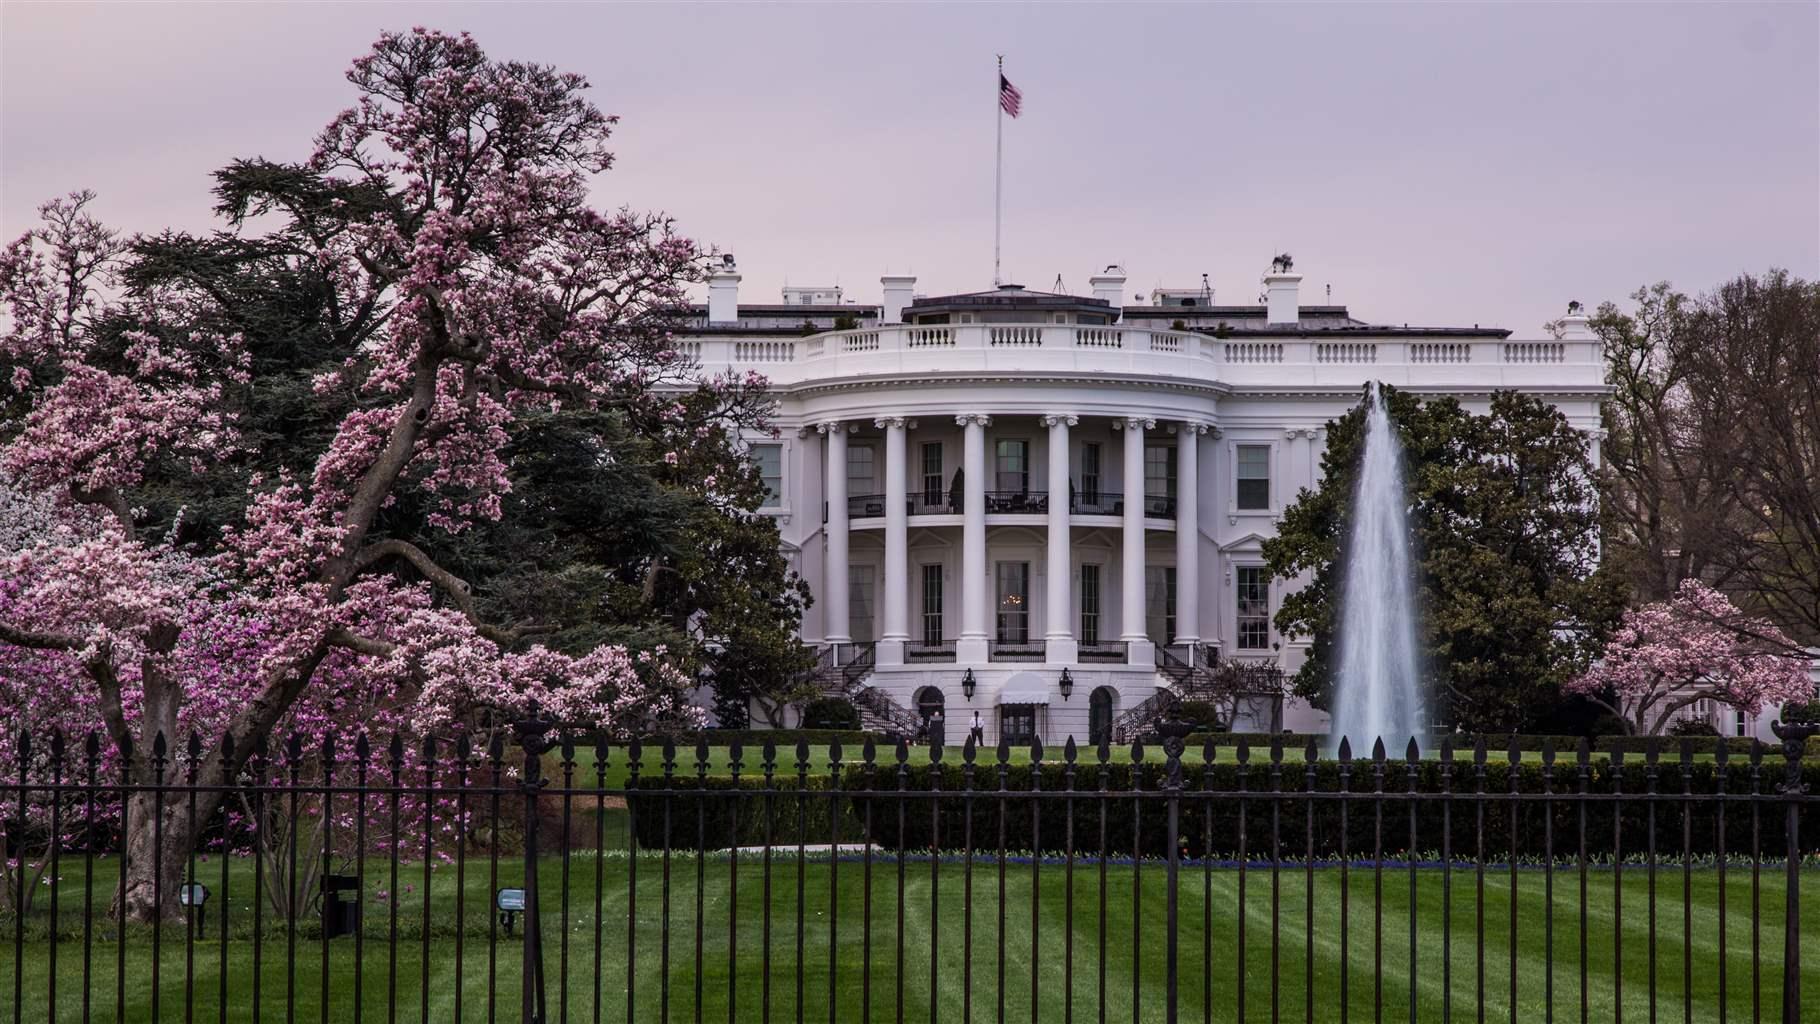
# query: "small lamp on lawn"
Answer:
x=192 y=896
x=511 y=903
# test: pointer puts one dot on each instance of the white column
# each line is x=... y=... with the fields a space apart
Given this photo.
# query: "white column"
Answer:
x=836 y=627
x=971 y=647
x=1058 y=637
x=897 y=543
x=1188 y=533
x=1131 y=586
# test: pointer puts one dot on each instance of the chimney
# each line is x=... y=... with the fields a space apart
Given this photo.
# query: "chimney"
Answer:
x=1280 y=292
x=899 y=290
x=723 y=291
x=1109 y=285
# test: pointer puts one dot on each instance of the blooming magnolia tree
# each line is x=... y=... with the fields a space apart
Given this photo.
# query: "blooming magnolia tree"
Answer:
x=443 y=228
x=1696 y=646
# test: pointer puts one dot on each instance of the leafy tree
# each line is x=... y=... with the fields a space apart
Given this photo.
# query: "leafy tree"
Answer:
x=1505 y=527
x=1697 y=646
x=343 y=394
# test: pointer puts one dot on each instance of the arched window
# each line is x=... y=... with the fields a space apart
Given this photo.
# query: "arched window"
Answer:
x=929 y=700
x=1099 y=715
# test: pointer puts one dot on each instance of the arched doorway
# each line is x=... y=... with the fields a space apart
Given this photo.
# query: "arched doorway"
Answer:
x=929 y=701
x=1099 y=715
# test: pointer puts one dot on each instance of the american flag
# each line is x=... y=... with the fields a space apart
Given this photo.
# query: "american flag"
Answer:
x=1009 y=99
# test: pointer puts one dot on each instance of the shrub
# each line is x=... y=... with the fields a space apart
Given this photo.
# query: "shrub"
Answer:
x=830 y=713
x=1203 y=715
x=1692 y=727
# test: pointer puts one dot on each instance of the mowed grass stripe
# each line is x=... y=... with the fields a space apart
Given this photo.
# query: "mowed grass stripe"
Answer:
x=1022 y=946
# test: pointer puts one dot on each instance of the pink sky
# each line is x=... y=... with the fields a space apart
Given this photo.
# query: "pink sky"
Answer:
x=1434 y=164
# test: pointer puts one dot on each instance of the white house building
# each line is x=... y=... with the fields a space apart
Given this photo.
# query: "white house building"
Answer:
x=1008 y=502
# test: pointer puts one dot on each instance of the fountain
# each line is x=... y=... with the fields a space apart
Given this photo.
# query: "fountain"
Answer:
x=1377 y=692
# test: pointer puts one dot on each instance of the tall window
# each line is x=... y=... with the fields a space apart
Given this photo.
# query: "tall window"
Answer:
x=1014 y=602
x=1090 y=474
x=932 y=605
x=1013 y=466
x=860 y=476
x=860 y=591
x=1159 y=480
x=1254 y=608
x=1738 y=723
x=1253 y=477
x=932 y=473
x=769 y=458
x=1090 y=605
x=1159 y=603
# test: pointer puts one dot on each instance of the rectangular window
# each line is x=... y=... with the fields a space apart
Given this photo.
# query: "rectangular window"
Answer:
x=1253 y=484
x=1090 y=606
x=1013 y=467
x=932 y=605
x=1159 y=480
x=932 y=474
x=769 y=458
x=1254 y=608
x=1159 y=604
x=1090 y=474
x=860 y=591
x=1014 y=602
x=860 y=477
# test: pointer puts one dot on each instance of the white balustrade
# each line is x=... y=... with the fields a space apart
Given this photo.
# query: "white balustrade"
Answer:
x=1166 y=341
x=1254 y=351
x=1345 y=352
x=928 y=337
x=1440 y=352
x=1016 y=337
x=860 y=341
x=1099 y=337
x=1535 y=352
x=764 y=351
x=689 y=350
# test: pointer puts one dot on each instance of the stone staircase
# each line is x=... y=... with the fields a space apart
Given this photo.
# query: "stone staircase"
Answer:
x=848 y=676
x=1190 y=676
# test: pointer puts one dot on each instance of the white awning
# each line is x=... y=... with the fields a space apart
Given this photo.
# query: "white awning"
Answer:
x=1024 y=688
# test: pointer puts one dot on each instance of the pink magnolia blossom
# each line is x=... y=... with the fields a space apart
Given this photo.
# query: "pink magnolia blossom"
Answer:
x=1696 y=646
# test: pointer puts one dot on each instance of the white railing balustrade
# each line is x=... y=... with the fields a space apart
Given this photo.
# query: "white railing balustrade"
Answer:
x=860 y=341
x=1535 y=352
x=1167 y=341
x=764 y=351
x=1016 y=337
x=1345 y=352
x=1440 y=352
x=928 y=337
x=1254 y=351
x=1099 y=337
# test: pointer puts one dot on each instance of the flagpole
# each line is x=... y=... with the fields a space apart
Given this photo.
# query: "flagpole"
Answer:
x=998 y=171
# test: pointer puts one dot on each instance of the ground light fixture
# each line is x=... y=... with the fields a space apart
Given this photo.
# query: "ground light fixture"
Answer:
x=968 y=683
x=1067 y=684
x=511 y=903
x=192 y=896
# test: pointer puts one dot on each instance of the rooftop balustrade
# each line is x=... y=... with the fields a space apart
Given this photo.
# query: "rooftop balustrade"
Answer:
x=1077 y=348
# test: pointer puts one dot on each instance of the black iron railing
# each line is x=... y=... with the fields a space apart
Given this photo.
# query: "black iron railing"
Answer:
x=534 y=874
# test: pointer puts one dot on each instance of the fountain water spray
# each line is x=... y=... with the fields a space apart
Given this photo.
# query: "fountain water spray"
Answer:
x=1376 y=689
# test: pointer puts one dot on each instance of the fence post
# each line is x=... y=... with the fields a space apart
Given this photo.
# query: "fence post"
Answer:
x=533 y=736
x=1794 y=739
x=1175 y=735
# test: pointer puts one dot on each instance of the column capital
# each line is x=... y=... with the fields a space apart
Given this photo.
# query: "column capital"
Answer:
x=1141 y=422
x=884 y=422
x=1067 y=419
x=968 y=418
x=1196 y=429
x=836 y=426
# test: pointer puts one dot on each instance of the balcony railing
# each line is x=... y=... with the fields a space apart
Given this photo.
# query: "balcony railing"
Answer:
x=927 y=652
x=1015 y=650
x=1114 y=651
x=923 y=503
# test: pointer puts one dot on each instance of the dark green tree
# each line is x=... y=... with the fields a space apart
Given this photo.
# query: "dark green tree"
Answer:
x=1505 y=526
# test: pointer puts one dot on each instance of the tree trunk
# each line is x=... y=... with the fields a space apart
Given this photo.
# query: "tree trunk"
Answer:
x=158 y=846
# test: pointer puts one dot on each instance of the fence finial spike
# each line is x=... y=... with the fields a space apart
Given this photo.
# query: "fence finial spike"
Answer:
x=1377 y=750
x=57 y=743
x=1137 y=752
x=91 y=747
x=1311 y=752
x=903 y=751
x=1652 y=750
x=1583 y=751
x=1069 y=753
x=1244 y=751
x=1687 y=750
x=1447 y=749
x=1478 y=749
x=1276 y=748
x=1719 y=751
x=1345 y=748
x=868 y=751
x=1036 y=751
x=1004 y=750
x=968 y=753
x=1548 y=751
x=363 y=747
x=158 y=745
x=1412 y=752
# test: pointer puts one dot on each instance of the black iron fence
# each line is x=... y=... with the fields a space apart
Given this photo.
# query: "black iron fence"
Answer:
x=530 y=875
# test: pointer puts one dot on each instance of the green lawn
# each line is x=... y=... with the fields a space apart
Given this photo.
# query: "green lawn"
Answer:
x=1034 y=932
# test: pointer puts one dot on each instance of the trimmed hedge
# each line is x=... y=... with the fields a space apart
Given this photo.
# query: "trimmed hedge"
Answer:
x=755 y=739
x=1566 y=747
x=1137 y=825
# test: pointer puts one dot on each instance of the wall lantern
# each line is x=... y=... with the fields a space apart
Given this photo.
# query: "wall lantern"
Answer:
x=1067 y=684
x=511 y=903
x=968 y=683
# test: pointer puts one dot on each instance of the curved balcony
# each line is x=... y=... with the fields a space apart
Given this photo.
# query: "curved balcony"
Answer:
x=1421 y=359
